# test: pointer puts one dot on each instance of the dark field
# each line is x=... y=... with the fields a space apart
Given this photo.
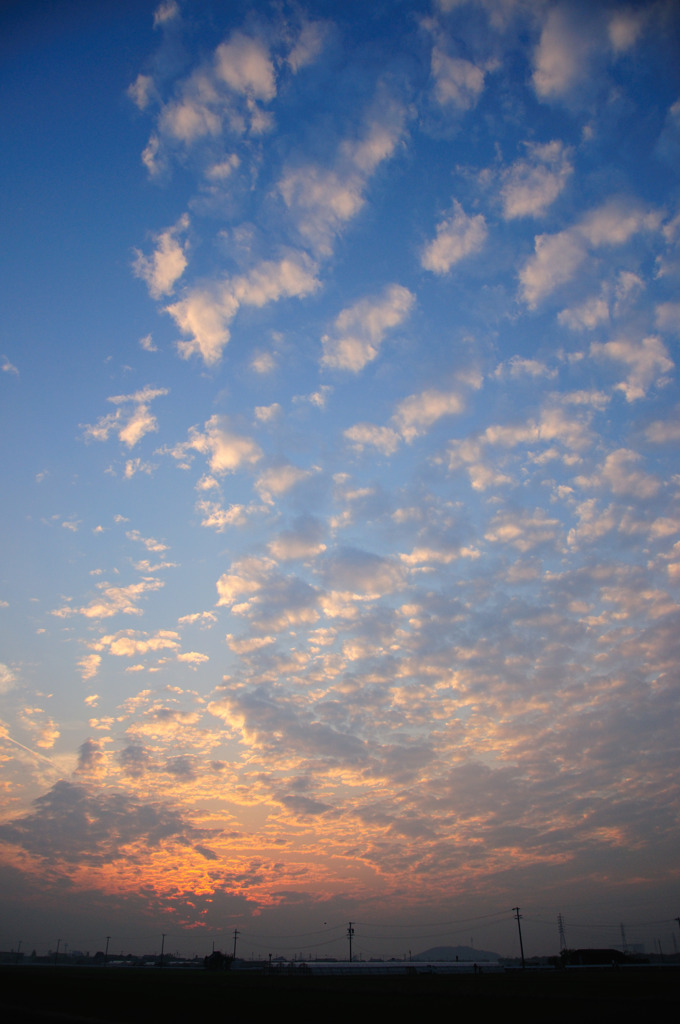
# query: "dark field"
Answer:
x=130 y=995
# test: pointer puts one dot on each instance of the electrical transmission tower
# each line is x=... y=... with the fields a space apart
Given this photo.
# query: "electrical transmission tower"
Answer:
x=563 y=938
x=624 y=942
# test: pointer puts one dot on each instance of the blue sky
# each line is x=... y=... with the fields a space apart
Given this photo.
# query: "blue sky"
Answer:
x=341 y=413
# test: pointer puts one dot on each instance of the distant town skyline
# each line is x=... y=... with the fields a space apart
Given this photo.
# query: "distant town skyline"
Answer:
x=341 y=516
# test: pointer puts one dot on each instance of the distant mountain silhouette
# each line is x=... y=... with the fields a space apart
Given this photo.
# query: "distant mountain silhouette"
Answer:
x=456 y=952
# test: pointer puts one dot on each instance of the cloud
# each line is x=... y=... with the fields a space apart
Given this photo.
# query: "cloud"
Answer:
x=167 y=263
x=150 y=543
x=205 y=313
x=277 y=727
x=525 y=530
x=142 y=91
x=648 y=360
x=89 y=665
x=562 y=55
x=112 y=601
x=8 y=367
x=193 y=658
x=319 y=398
x=308 y=45
x=165 y=12
x=226 y=451
x=456 y=81
x=323 y=199
x=224 y=95
x=245 y=579
x=131 y=420
x=664 y=431
x=457 y=237
x=618 y=474
x=359 y=330
x=625 y=27
x=531 y=185
x=278 y=480
x=8 y=679
x=128 y=643
x=218 y=518
x=73 y=824
x=362 y=575
x=417 y=413
x=516 y=367
x=558 y=257
x=614 y=300
x=303 y=541
x=363 y=435
x=272 y=601
x=667 y=316
x=267 y=413
x=244 y=64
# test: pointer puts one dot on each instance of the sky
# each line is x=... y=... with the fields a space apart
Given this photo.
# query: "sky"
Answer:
x=341 y=522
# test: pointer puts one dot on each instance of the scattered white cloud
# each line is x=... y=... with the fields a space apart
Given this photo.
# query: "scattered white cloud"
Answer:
x=457 y=237
x=193 y=658
x=625 y=27
x=205 y=313
x=142 y=91
x=89 y=665
x=263 y=362
x=648 y=361
x=225 y=450
x=131 y=420
x=8 y=679
x=308 y=45
x=267 y=413
x=562 y=55
x=322 y=199
x=618 y=474
x=667 y=316
x=165 y=12
x=245 y=65
x=214 y=516
x=166 y=264
x=363 y=435
x=558 y=257
x=359 y=330
x=417 y=413
x=150 y=543
x=530 y=186
x=128 y=643
x=456 y=81
x=278 y=480
x=303 y=541
x=7 y=367
x=112 y=601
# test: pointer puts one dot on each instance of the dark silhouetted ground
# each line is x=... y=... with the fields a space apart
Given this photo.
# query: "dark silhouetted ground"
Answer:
x=88 y=995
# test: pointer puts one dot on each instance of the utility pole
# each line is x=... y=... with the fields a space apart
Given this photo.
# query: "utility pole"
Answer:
x=350 y=933
x=518 y=918
x=236 y=932
x=106 y=953
x=162 y=948
x=563 y=938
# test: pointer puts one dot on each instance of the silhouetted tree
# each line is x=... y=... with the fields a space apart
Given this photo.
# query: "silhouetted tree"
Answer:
x=218 y=961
